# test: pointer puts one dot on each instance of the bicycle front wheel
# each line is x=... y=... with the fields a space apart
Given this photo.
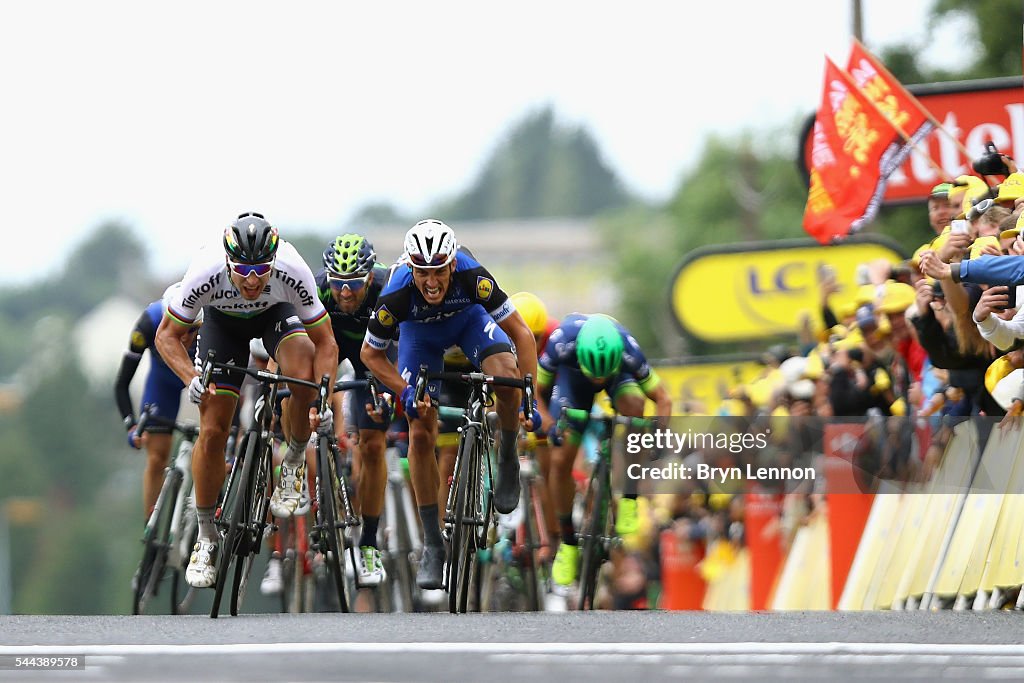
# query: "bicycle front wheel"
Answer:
x=594 y=528
x=232 y=519
x=464 y=531
x=332 y=540
x=157 y=541
x=255 y=515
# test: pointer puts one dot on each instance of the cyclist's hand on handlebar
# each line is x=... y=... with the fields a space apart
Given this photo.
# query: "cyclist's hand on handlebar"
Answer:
x=408 y=400
x=324 y=420
x=413 y=408
x=384 y=414
x=532 y=422
x=196 y=392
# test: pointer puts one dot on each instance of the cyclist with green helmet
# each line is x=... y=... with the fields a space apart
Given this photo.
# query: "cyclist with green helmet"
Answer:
x=348 y=285
x=588 y=354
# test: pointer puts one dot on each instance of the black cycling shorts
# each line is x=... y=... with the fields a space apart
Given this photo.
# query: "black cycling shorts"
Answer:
x=229 y=336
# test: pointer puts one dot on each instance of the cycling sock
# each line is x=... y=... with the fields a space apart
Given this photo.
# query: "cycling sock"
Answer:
x=431 y=532
x=295 y=454
x=207 y=529
x=369 y=533
x=568 y=530
x=507 y=449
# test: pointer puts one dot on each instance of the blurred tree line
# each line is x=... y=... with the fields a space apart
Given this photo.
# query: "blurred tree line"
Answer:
x=64 y=443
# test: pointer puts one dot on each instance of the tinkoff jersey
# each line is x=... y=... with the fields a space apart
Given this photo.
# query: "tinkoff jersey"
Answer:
x=207 y=283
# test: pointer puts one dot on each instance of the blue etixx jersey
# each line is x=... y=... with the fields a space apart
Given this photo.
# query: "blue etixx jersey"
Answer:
x=401 y=301
x=560 y=351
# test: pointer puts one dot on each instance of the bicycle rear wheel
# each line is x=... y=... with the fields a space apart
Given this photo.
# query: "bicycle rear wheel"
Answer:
x=528 y=559
x=157 y=542
x=594 y=528
x=332 y=540
x=182 y=594
x=401 y=576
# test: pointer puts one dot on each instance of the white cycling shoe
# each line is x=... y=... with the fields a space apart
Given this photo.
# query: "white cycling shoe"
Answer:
x=371 y=568
x=273 y=582
x=291 y=497
x=202 y=565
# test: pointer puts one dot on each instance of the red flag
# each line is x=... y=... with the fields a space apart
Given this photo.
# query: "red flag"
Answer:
x=881 y=87
x=853 y=149
x=910 y=119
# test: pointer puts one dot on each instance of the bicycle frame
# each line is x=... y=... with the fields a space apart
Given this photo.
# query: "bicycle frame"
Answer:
x=468 y=506
x=597 y=533
x=169 y=542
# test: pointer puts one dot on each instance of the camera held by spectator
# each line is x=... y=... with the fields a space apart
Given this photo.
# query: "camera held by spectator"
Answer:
x=993 y=163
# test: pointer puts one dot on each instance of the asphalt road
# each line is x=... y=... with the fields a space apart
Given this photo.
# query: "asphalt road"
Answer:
x=567 y=647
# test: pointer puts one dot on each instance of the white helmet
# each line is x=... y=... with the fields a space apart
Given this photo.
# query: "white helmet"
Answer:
x=430 y=244
x=172 y=293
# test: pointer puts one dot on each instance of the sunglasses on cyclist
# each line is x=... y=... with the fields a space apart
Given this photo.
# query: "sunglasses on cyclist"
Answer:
x=354 y=284
x=244 y=269
x=436 y=261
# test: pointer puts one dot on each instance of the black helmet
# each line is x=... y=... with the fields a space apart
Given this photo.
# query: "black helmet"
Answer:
x=250 y=239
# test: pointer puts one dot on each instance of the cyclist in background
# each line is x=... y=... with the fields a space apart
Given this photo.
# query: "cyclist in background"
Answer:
x=536 y=316
x=162 y=393
x=253 y=285
x=349 y=285
x=444 y=297
x=585 y=355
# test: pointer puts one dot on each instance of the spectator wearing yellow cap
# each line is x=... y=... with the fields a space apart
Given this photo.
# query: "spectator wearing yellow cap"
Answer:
x=940 y=209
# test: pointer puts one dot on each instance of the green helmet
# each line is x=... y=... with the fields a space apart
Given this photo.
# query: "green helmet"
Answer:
x=599 y=347
x=349 y=254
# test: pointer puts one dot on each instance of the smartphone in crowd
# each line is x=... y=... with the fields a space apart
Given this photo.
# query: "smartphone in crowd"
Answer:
x=959 y=227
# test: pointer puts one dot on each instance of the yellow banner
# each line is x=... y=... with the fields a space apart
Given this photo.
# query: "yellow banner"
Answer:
x=700 y=387
x=742 y=292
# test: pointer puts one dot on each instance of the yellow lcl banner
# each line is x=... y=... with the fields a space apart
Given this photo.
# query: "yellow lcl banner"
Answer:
x=749 y=291
x=700 y=385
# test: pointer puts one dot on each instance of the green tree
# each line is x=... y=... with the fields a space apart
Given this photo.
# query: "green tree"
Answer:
x=738 y=191
x=992 y=43
x=541 y=169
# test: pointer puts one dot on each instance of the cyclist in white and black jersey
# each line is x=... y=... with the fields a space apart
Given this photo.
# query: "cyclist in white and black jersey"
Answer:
x=251 y=285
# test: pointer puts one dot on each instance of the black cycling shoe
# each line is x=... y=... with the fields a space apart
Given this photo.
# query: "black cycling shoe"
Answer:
x=506 y=488
x=430 y=573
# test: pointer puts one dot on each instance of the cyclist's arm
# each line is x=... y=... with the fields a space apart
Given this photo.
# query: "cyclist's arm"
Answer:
x=170 y=344
x=325 y=359
x=526 y=346
x=376 y=361
x=125 y=373
x=137 y=345
x=656 y=392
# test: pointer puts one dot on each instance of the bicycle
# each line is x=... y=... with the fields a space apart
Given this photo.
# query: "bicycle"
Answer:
x=296 y=566
x=171 y=528
x=241 y=515
x=597 y=532
x=532 y=548
x=401 y=534
x=468 y=510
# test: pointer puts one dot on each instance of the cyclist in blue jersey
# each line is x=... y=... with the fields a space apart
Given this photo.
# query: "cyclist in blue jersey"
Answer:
x=443 y=297
x=585 y=355
x=162 y=393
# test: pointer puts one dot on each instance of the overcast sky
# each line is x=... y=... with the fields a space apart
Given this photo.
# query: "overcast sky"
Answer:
x=175 y=117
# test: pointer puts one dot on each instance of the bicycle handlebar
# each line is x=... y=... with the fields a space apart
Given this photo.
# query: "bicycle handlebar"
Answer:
x=474 y=378
x=581 y=415
x=146 y=417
